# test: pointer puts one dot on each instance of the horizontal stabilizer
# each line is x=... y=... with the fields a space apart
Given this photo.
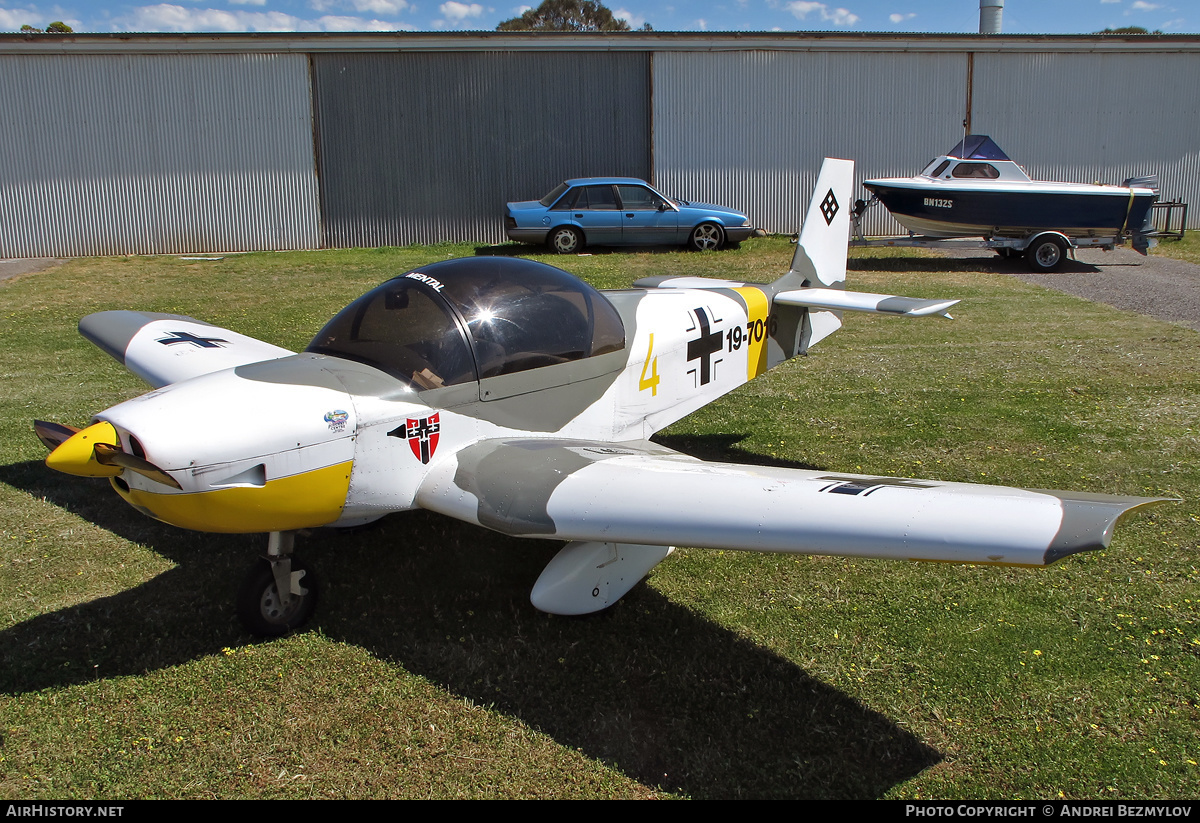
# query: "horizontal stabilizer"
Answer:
x=839 y=300
x=167 y=348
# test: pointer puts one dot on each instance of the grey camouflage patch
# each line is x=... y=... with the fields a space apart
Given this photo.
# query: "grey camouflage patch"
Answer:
x=513 y=480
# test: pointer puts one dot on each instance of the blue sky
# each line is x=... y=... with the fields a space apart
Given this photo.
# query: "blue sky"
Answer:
x=1019 y=17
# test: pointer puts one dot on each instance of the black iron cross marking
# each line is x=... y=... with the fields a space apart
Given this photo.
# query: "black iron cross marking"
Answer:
x=829 y=207
x=192 y=340
x=704 y=347
x=866 y=485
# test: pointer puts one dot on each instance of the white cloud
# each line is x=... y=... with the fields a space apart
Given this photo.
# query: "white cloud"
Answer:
x=635 y=21
x=802 y=9
x=13 y=19
x=701 y=24
x=839 y=17
x=341 y=23
x=169 y=17
x=457 y=12
x=382 y=7
x=249 y=2
x=900 y=18
x=1139 y=5
x=389 y=7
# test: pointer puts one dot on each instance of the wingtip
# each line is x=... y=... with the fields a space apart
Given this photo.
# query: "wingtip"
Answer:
x=1089 y=520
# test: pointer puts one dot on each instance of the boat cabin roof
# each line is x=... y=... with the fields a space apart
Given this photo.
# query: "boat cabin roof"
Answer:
x=977 y=147
x=975 y=157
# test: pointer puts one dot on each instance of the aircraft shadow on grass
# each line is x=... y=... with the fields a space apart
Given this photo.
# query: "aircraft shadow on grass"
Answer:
x=649 y=687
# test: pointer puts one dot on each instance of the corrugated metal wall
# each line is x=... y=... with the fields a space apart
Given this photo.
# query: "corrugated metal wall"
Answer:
x=422 y=148
x=217 y=146
x=151 y=154
x=749 y=129
x=1094 y=117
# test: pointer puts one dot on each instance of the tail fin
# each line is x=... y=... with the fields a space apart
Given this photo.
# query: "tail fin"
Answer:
x=820 y=258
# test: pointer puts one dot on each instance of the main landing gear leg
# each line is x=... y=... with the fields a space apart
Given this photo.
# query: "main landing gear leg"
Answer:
x=279 y=594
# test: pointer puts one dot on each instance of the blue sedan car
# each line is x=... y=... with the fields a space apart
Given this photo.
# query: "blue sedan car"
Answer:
x=620 y=211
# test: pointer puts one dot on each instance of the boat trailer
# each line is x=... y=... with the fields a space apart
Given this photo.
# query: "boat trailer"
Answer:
x=1044 y=250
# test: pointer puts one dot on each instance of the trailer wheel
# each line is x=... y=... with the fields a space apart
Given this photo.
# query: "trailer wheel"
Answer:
x=1045 y=254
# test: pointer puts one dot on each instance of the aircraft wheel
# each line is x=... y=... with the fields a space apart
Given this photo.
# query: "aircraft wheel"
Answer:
x=1045 y=254
x=566 y=240
x=705 y=237
x=263 y=612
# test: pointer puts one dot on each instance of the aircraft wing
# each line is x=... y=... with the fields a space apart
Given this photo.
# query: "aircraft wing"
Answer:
x=643 y=493
x=168 y=348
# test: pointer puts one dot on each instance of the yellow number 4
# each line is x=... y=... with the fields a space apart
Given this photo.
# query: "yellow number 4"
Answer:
x=652 y=382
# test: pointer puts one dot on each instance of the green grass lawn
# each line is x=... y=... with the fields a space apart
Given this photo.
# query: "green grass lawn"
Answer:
x=1186 y=249
x=426 y=672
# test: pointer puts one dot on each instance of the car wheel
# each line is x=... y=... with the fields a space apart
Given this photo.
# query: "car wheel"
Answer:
x=1045 y=254
x=566 y=240
x=705 y=237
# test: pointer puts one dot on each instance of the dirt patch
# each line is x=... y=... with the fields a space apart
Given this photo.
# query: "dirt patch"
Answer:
x=26 y=265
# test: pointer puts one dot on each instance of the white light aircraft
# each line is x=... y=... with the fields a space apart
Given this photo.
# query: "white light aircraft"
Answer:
x=510 y=394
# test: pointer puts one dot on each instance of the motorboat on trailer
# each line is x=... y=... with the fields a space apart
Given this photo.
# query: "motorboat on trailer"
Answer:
x=977 y=191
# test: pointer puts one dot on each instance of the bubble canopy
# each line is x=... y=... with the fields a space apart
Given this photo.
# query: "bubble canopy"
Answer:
x=464 y=320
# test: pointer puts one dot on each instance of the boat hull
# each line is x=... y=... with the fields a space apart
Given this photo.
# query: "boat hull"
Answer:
x=943 y=211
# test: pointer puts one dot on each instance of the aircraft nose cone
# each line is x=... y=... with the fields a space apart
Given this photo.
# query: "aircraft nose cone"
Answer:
x=77 y=454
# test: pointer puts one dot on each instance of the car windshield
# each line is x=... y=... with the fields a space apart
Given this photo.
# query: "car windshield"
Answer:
x=554 y=194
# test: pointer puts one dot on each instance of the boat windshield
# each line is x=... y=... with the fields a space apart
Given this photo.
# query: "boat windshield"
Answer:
x=941 y=168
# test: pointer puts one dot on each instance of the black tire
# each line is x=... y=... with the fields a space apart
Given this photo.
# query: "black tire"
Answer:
x=1046 y=254
x=566 y=240
x=259 y=607
x=706 y=237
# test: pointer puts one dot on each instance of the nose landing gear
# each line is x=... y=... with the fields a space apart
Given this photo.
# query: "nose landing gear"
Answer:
x=278 y=595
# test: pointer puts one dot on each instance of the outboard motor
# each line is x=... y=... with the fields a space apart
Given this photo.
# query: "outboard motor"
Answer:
x=1140 y=237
